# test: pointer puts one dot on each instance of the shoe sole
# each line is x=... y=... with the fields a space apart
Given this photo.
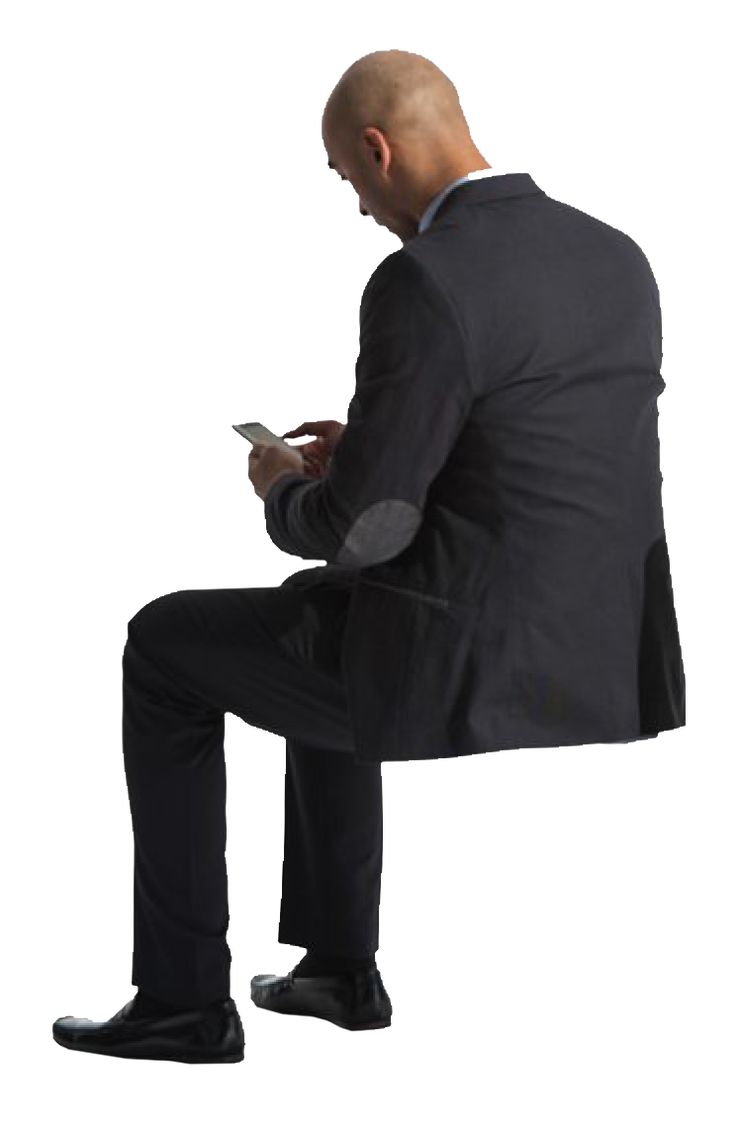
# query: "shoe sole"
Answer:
x=367 y=1025
x=159 y=1051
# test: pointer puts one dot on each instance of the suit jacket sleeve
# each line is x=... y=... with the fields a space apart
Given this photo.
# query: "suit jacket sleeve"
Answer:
x=412 y=397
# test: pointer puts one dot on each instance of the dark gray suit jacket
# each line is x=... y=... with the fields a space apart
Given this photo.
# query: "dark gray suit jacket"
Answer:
x=494 y=502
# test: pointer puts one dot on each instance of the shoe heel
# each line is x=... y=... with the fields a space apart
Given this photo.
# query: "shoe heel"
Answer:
x=370 y=1026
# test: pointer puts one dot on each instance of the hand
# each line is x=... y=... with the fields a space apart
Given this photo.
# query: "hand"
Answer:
x=317 y=453
x=266 y=463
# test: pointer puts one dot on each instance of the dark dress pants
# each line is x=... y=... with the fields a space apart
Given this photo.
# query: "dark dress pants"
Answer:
x=270 y=656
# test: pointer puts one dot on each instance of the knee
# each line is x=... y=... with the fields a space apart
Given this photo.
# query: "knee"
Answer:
x=151 y=614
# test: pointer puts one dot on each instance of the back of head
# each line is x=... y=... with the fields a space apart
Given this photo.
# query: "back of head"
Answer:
x=405 y=95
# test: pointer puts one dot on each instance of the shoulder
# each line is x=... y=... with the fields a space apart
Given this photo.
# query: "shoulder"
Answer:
x=402 y=278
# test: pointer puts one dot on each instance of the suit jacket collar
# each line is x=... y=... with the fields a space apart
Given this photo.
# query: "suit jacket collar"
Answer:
x=500 y=187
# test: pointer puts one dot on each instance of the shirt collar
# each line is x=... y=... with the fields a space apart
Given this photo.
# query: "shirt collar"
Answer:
x=428 y=214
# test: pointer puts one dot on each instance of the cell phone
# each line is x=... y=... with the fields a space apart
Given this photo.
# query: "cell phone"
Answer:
x=258 y=434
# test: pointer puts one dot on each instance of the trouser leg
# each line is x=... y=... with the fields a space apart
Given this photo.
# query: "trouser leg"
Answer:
x=333 y=807
x=175 y=771
x=333 y=845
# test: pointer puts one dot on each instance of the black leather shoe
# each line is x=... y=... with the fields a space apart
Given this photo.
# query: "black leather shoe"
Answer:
x=207 y=1034
x=355 y=1000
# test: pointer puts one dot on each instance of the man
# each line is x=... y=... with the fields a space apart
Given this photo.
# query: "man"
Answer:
x=496 y=570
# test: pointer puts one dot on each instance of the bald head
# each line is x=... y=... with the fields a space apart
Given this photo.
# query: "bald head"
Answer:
x=393 y=126
x=405 y=95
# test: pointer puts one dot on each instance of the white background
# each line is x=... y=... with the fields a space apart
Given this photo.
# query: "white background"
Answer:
x=557 y=931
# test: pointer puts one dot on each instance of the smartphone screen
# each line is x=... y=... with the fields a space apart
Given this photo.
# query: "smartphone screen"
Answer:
x=258 y=434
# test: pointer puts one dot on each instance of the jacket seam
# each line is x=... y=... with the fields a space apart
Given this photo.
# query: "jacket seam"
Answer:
x=421 y=595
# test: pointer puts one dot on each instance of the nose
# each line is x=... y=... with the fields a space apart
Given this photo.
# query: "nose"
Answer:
x=363 y=212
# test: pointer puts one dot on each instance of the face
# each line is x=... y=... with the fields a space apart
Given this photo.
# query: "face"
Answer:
x=372 y=191
x=332 y=164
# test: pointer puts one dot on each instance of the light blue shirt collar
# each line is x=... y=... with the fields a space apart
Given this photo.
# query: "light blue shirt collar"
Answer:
x=428 y=214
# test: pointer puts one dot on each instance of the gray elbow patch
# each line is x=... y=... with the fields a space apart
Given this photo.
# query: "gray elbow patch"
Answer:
x=380 y=532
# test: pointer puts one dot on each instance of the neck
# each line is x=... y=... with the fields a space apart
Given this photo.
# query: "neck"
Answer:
x=452 y=173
